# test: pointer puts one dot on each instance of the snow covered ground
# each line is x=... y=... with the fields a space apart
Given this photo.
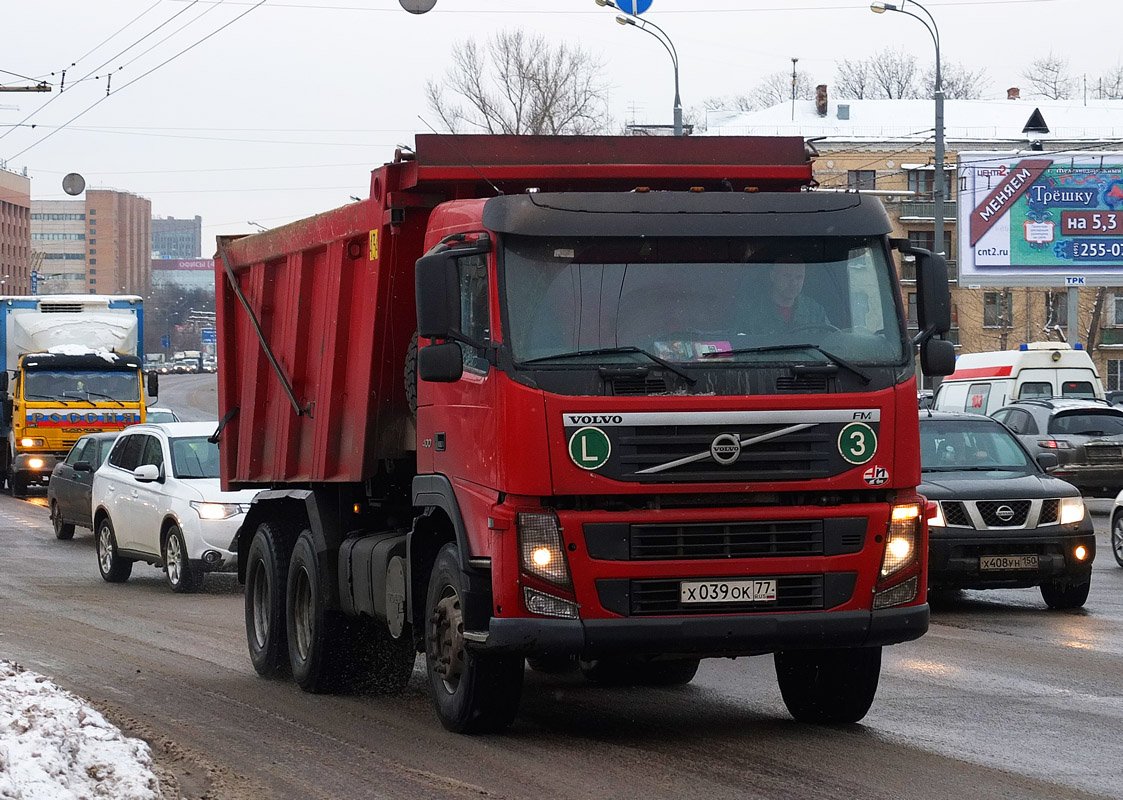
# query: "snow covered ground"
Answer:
x=55 y=747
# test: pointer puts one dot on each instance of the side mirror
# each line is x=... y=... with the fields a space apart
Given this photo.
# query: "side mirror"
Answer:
x=438 y=295
x=83 y=466
x=1048 y=460
x=153 y=384
x=937 y=357
x=147 y=473
x=440 y=363
x=934 y=308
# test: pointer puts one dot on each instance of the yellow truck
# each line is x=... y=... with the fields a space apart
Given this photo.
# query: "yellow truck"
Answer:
x=71 y=366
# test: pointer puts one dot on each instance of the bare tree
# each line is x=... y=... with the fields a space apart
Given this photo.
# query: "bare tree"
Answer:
x=521 y=83
x=776 y=88
x=1110 y=84
x=895 y=75
x=1049 y=77
x=853 y=79
x=960 y=83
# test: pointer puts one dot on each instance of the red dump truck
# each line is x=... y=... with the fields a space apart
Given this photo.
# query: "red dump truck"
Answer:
x=539 y=400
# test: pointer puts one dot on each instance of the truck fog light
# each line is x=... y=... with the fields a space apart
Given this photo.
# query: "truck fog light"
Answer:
x=541 y=552
x=1072 y=510
x=547 y=605
x=35 y=463
x=904 y=592
x=1081 y=552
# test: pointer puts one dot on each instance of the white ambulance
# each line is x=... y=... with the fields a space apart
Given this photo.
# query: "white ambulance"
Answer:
x=984 y=382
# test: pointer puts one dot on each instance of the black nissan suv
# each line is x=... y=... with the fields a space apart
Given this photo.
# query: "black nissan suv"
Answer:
x=1003 y=522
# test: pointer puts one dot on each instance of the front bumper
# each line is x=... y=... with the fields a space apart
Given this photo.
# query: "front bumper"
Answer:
x=22 y=466
x=703 y=636
x=953 y=560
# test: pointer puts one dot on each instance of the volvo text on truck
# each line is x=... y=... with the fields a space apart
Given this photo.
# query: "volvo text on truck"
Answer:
x=532 y=402
x=71 y=366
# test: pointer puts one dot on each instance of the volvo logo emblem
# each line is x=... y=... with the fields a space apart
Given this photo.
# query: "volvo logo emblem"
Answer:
x=1005 y=513
x=726 y=448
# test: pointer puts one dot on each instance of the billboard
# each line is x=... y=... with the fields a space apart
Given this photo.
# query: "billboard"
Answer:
x=1040 y=219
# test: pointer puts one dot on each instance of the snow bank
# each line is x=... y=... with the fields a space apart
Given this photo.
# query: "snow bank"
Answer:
x=55 y=747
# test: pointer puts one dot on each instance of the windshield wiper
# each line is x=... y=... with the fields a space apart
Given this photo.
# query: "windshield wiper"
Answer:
x=46 y=397
x=99 y=394
x=76 y=397
x=607 y=351
x=773 y=348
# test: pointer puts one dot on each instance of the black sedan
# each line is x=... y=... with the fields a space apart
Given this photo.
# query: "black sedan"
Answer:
x=68 y=493
x=1002 y=521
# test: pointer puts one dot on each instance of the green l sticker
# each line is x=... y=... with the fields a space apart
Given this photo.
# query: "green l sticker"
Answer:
x=589 y=448
x=857 y=442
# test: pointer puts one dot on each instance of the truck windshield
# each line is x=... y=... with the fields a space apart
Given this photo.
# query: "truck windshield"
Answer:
x=693 y=299
x=92 y=385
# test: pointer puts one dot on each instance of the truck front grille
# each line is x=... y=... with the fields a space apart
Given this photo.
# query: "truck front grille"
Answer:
x=729 y=540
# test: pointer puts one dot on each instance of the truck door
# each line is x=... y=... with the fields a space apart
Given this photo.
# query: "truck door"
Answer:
x=462 y=423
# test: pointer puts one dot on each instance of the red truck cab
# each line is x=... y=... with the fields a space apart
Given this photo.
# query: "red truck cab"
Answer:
x=627 y=455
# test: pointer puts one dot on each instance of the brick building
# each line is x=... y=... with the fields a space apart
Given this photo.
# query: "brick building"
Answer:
x=15 y=233
x=98 y=245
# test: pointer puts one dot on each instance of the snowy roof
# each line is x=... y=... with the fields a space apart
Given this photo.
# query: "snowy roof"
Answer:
x=964 y=120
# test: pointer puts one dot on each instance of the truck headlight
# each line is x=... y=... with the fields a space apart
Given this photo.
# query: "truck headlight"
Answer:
x=1072 y=510
x=901 y=539
x=29 y=442
x=216 y=510
x=541 y=552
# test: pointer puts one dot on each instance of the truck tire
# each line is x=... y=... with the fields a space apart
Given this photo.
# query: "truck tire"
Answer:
x=410 y=375
x=828 y=686
x=1058 y=595
x=113 y=568
x=326 y=652
x=471 y=693
x=267 y=567
x=635 y=671
x=18 y=483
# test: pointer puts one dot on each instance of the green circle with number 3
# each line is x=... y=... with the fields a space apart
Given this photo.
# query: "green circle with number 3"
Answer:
x=857 y=442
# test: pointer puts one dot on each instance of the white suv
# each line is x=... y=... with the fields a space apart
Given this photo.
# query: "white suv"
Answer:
x=157 y=499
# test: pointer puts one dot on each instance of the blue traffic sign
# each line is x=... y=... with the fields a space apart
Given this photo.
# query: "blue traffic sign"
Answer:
x=209 y=335
x=165 y=341
x=633 y=6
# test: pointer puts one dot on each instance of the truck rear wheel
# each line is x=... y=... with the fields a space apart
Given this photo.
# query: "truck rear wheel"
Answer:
x=829 y=686
x=471 y=693
x=267 y=567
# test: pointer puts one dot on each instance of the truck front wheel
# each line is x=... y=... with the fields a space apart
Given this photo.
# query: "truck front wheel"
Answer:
x=471 y=693
x=267 y=566
x=829 y=686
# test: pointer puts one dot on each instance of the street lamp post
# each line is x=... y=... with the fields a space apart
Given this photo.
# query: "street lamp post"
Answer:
x=664 y=39
x=938 y=188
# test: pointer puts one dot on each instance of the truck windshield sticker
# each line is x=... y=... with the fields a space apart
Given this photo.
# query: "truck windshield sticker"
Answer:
x=589 y=448
x=857 y=443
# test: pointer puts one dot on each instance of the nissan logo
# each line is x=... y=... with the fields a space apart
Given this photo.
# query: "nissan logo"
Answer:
x=726 y=448
x=1004 y=513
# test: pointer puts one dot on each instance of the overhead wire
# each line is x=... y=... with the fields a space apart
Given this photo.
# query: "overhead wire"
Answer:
x=143 y=75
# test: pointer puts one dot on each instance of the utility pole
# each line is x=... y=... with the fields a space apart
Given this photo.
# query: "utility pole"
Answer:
x=40 y=87
x=794 y=60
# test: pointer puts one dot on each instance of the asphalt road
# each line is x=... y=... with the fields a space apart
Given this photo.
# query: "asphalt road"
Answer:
x=1001 y=699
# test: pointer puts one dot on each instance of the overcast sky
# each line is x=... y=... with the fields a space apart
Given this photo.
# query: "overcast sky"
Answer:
x=283 y=113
